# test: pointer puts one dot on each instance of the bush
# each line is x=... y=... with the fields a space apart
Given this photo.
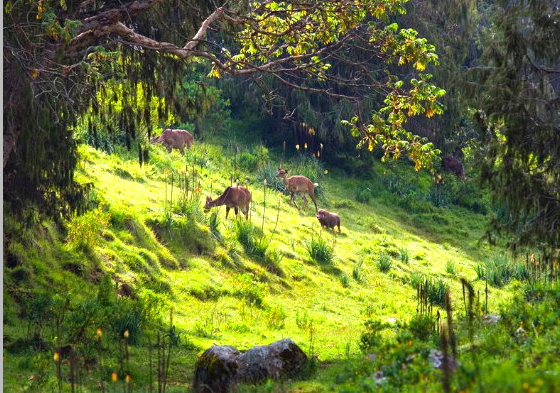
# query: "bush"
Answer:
x=371 y=338
x=422 y=326
x=319 y=250
x=364 y=194
x=384 y=262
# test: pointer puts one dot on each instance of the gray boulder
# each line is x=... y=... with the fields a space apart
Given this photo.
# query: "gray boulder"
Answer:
x=221 y=367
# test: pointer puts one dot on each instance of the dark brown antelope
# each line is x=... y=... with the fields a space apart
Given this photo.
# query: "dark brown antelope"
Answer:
x=236 y=197
x=174 y=139
x=298 y=185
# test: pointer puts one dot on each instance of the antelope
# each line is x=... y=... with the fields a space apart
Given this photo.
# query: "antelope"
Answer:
x=298 y=185
x=174 y=139
x=453 y=165
x=237 y=197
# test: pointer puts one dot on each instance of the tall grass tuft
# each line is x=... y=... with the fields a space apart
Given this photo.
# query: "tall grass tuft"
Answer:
x=404 y=255
x=357 y=272
x=319 y=250
x=501 y=269
x=384 y=262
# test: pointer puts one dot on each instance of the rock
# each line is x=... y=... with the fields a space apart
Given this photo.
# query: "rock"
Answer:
x=277 y=360
x=215 y=369
x=490 y=319
x=438 y=358
x=219 y=368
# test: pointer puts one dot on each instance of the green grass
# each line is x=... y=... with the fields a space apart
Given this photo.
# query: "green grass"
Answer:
x=236 y=283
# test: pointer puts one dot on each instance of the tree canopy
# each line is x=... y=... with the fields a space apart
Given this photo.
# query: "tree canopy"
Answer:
x=57 y=54
x=516 y=90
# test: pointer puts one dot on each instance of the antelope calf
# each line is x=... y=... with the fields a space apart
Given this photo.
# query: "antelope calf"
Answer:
x=236 y=197
x=328 y=219
x=298 y=185
x=174 y=139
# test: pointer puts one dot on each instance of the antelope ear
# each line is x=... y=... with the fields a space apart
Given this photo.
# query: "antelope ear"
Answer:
x=208 y=199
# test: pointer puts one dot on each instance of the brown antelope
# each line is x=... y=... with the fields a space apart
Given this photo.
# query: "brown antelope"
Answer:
x=298 y=185
x=174 y=139
x=236 y=197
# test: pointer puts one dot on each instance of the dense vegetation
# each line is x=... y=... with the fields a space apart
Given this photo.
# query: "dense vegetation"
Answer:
x=116 y=278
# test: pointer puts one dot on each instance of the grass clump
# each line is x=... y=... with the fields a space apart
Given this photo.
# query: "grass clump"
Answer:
x=451 y=268
x=404 y=255
x=319 y=250
x=500 y=270
x=384 y=262
x=357 y=272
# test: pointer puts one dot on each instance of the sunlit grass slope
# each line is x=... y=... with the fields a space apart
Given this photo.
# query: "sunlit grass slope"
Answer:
x=232 y=283
x=207 y=281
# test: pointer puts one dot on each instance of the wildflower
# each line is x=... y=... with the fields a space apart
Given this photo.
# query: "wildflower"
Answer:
x=297 y=147
x=56 y=356
x=114 y=376
x=264 y=182
x=318 y=154
x=127 y=378
x=320 y=144
x=98 y=333
x=126 y=333
x=198 y=190
x=305 y=145
x=325 y=171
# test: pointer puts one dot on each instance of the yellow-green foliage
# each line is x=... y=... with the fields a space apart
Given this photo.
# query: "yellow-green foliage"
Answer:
x=84 y=230
x=244 y=284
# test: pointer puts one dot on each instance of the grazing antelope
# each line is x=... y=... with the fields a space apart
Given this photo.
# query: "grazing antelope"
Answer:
x=298 y=185
x=174 y=139
x=236 y=197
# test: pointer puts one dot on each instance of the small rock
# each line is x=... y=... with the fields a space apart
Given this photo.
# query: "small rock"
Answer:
x=490 y=319
x=437 y=359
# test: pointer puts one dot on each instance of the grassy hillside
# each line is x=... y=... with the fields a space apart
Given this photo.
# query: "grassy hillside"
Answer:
x=228 y=281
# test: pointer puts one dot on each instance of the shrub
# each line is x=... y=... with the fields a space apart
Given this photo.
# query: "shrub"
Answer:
x=319 y=250
x=363 y=193
x=276 y=317
x=384 y=262
x=247 y=161
x=246 y=288
x=422 y=326
x=371 y=338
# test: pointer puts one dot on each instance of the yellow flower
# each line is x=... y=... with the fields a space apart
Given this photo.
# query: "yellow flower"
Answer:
x=297 y=147
x=98 y=333
x=305 y=145
x=126 y=333
x=325 y=171
x=114 y=376
x=56 y=356
x=127 y=378
x=318 y=154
